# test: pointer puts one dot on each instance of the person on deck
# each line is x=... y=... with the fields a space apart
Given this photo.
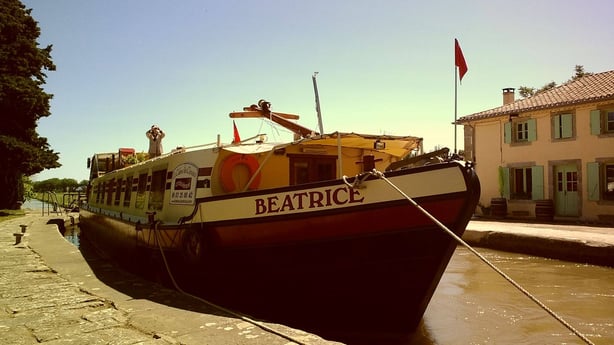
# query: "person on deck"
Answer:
x=155 y=135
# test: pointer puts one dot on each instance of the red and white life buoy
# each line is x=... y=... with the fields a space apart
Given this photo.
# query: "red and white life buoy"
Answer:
x=228 y=166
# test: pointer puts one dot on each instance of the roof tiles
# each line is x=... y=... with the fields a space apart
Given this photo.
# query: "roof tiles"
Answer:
x=590 y=88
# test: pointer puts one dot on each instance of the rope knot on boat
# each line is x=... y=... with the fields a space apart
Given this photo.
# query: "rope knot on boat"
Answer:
x=360 y=178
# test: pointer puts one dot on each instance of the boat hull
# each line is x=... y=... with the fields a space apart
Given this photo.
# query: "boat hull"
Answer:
x=370 y=266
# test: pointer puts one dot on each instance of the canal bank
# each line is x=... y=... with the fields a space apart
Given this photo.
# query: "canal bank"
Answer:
x=569 y=242
x=51 y=293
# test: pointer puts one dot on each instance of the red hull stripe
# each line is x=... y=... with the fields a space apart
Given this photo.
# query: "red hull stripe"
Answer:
x=317 y=227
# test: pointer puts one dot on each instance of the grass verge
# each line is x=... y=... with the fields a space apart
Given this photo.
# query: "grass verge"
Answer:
x=10 y=214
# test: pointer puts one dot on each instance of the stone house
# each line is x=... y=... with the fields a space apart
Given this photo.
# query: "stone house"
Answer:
x=549 y=155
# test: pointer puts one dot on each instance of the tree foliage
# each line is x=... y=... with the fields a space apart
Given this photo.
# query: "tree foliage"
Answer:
x=59 y=185
x=526 y=91
x=22 y=101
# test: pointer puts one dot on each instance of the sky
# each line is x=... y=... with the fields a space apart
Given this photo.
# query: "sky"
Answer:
x=384 y=67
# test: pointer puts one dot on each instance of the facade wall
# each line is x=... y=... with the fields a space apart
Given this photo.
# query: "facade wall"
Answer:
x=488 y=142
x=558 y=157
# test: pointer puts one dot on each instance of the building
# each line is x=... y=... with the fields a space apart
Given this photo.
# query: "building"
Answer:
x=551 y=153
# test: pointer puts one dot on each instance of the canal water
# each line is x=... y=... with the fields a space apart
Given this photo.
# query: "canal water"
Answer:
x=475 y=305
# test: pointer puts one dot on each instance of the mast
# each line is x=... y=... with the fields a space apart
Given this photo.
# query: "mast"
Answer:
x=315 y=90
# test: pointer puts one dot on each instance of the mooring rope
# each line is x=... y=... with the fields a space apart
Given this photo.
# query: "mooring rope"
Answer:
x=233 y=313
x=380 y=175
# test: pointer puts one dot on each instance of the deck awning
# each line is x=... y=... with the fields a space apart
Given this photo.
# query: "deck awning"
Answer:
x=398 y=146
x=251 y=149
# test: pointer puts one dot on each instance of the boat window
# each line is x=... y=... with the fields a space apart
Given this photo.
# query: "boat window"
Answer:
x=110 y=185
x=140 y=191
x=118 y=191
x=158 y=186
x=102 y=193
x=97 y=190
x=312 y=168
x=128 y=191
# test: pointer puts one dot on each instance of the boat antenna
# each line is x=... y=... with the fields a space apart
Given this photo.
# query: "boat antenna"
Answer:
x=315 y=90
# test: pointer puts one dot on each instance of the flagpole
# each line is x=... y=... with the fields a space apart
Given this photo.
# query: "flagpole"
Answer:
x=455 y=106
x=459 y=61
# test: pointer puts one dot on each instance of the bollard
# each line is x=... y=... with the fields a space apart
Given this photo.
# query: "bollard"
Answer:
x=18 y=236
x=23 y=228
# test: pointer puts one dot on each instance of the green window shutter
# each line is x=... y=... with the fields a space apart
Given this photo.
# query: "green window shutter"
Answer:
x=595 y=122
x=566 y=126
x=532 y=127
x=592 y=170
x=557 y=126
x=507 y=132
x=504 y=182
x=537 y=178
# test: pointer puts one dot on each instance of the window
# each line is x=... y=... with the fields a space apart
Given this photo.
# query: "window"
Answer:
x=562 y=126
x=608 y=190
x=110 y=187
x=102 y=193
x=140 y=191
x=158 y=187
x=522 y=182
x=520 y=131
x=128 y=191
x=602 y=121
x=97 y=191
x=118 y=192
x=570 y=179
x=312 y=168
x=601 y=180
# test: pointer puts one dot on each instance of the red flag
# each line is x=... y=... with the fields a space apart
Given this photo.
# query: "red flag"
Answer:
x=459 y=60
x=237 y=138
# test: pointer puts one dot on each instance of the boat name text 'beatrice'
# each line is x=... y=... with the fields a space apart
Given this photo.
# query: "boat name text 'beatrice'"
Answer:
x=312 y=199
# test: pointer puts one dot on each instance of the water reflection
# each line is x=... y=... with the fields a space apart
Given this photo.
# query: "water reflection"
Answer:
x=474 y=305
x=73 y=234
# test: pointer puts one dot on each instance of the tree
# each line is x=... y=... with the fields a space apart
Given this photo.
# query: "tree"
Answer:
x=22 y=102
x=579 y=73
x=526 y=91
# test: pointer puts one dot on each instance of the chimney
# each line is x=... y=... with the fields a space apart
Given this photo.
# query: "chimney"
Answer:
x=508 y=95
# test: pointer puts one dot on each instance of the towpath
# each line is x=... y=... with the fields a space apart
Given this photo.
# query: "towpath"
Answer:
x=49 y=294
x=570 y=242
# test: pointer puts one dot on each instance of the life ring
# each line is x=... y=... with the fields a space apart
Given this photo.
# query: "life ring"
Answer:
x=228 y=184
